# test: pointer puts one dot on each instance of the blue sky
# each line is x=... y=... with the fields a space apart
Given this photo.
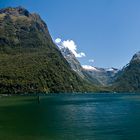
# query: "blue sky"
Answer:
x=107 y=31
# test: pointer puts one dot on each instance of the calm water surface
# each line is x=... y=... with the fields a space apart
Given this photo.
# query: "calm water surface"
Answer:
x=71 y=117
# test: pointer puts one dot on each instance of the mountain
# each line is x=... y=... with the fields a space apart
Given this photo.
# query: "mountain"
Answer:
x=108 y=79
x=97 y=76
x=128 y=79
x=104 y=76
x=76 y=66
x=72 y=60
x=29 y=60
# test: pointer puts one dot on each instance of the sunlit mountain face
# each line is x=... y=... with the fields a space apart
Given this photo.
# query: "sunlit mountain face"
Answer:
x=98 y=76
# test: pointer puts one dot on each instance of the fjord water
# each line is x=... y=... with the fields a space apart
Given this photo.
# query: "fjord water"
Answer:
x=71 y=117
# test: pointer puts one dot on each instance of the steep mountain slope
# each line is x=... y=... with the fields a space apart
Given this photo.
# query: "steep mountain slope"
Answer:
x=98 y=76
x=128 y=79
x=72 y=60
x=29 y=60
x=76 y=66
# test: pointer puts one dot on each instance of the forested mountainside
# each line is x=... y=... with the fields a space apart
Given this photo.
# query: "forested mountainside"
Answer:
x=29 y=60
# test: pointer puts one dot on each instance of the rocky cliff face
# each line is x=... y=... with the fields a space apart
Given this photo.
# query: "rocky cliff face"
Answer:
x=136 y=57
x=29 y=60
x=72 y=60
x=19 y=28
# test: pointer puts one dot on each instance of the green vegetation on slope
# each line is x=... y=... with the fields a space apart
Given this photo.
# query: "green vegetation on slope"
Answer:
x=29 y=60
x=128 y=80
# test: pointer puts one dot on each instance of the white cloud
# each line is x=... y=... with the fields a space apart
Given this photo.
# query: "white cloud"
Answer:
x=82 y=54
x=70 y=44
x=57 y=40
x=91 y=60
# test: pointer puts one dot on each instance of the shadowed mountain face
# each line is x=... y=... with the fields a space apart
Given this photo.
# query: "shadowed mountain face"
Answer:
x=128 y=79
x=29 y=60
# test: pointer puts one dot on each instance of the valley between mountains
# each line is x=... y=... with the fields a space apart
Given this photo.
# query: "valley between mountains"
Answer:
x=30 y=61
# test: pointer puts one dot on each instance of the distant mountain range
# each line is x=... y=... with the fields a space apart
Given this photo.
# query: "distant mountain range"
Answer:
x=30 y=62
x=98 y=76
x=125 y=80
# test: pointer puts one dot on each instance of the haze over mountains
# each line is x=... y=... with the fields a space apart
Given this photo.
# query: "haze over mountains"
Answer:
x=31 y=62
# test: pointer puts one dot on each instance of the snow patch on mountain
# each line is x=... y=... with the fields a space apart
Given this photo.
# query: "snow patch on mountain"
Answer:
x=88 y=67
